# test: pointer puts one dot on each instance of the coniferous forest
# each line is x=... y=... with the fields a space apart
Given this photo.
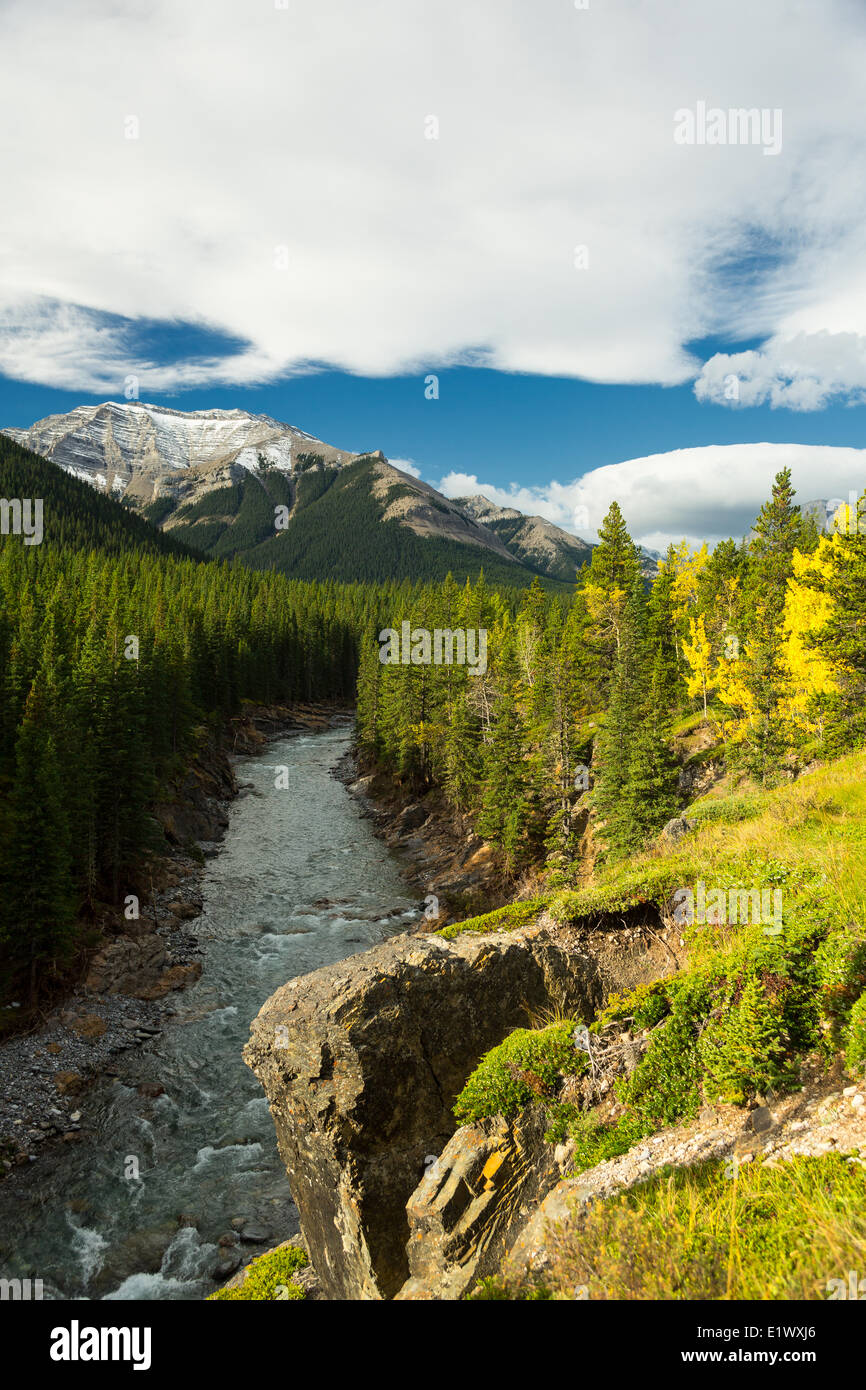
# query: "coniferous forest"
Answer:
x=121 y=650
x=763 y=639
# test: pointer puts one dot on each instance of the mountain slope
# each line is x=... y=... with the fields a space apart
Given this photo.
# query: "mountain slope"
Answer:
x=216 y=479
x=73 y=513
x=531 y=539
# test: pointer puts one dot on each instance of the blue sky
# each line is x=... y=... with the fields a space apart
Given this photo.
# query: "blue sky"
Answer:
x=502 y=427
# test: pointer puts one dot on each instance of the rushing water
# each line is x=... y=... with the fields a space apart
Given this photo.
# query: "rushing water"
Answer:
x=206 y=1147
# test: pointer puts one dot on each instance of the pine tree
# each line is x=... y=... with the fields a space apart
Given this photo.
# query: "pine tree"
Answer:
x=650 y=797
x=38 y=916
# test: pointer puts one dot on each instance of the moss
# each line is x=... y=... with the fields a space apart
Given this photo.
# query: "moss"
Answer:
x=271 y=1276
x=507 y=918
x=529 y=1064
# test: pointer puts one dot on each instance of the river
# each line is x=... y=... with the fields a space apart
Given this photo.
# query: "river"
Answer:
x=100 y=1219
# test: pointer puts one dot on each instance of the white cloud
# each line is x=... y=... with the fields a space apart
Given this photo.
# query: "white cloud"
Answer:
x=304 y=129
x=707 y=493
x=806 y=372
x=406 y=466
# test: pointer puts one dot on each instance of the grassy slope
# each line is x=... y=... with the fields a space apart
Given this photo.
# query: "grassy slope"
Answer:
x=807 y=839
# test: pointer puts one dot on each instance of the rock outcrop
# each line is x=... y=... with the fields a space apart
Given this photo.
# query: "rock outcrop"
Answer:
x=361 y=1062
x=463 y=1215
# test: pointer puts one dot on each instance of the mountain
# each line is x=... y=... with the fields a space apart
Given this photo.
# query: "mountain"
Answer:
x=824 y=510
x=75 y=515
x=531 y=539
x=215 y=479
x=132 y=449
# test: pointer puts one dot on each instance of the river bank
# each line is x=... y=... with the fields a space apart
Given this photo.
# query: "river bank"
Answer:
x=124 y=996
x=443 y=859
x=175 y=1179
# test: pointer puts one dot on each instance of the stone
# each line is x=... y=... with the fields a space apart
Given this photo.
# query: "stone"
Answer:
x=253 y=1234
x=68 y=1083
x=677 y=828
x=228 y=1263
x=126 y=965
x=361 y=1062
x=760 y=1119
x=89 y=1026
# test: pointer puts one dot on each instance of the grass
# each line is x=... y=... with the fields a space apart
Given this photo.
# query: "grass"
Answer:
x=752 y=1002
x=508 y=918
x=713 y=1232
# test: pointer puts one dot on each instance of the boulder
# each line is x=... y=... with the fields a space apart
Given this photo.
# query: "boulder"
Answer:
x=126 y=964
x=361 y=1062
x=677 y=828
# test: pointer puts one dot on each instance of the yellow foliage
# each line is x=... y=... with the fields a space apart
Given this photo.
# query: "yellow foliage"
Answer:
x=808 y=607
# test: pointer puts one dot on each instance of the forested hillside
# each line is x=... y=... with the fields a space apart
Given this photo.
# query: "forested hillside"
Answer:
x=764 y=642
x=74 y=514
x=336 y=526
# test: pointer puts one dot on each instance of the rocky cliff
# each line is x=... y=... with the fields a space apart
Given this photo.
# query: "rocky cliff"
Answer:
x=361 y=1063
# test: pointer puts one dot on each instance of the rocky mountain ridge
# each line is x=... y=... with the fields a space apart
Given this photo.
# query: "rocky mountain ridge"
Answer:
x=215 y=477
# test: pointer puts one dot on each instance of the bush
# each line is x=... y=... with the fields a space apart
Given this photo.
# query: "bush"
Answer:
x=528 y=1064
x=271 y=1276
x=594 y=1141
x=647 y=1005
x=855 y=1037
x=841 y=967
x=746 y=1050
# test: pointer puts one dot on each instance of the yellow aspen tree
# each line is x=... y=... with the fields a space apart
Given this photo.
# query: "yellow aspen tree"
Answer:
x=698 y=653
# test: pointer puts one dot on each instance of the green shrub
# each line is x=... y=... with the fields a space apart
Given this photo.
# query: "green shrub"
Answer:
x=647 y=1005
x=594 y=1140
x=747 y=1048
x=271 y=1276
x=841 y=973
x=666 y=1084
x=527 y=1065
x=855 y=1038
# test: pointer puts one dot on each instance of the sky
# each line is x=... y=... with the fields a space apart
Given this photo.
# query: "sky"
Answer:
x=554 y=253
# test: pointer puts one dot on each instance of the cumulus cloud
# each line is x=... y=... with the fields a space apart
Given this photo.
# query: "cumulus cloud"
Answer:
x=280 y=187
x=707 y=493
x=806 y=372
